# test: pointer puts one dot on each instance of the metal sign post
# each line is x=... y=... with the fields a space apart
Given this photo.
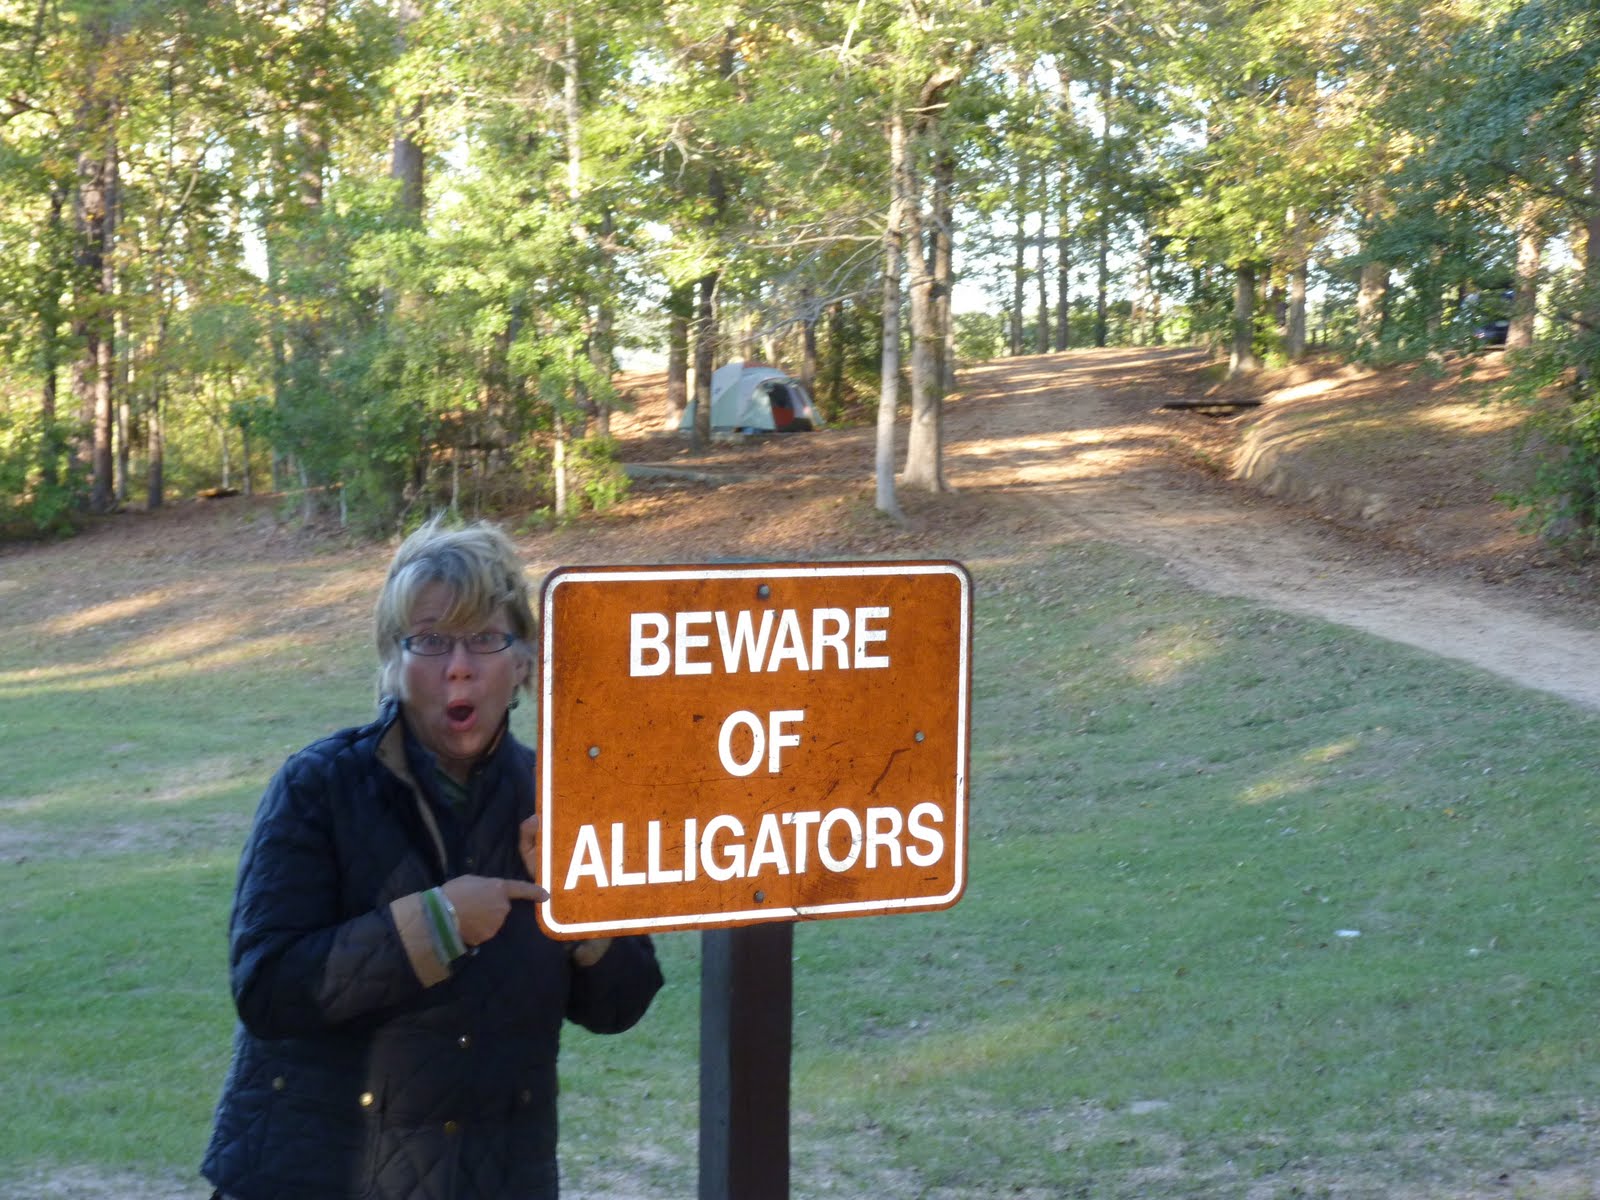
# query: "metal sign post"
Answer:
x=746 y=1027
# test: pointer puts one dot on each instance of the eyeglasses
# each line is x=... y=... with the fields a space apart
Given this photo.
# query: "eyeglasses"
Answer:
x=431 y=645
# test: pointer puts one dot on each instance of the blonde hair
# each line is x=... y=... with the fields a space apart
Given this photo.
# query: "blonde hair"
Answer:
x=478 y=565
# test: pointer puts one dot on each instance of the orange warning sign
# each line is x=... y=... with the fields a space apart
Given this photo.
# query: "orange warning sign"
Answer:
x=724 y=745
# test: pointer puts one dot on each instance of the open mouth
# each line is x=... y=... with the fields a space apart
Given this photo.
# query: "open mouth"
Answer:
x=460 y=715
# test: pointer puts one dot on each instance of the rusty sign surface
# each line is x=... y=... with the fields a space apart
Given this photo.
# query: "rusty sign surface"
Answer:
x=725 y=745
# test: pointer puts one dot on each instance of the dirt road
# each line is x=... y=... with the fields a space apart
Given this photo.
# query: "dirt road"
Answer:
x=1075 y=445
x=1071 y=432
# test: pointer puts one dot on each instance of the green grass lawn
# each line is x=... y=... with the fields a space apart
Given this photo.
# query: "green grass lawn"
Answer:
x=1257 y=906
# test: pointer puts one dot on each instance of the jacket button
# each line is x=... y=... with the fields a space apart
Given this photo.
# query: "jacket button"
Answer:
x=452 y=1127
x=472 y=862
x=279 y=1083
x=366 y=1099
x=464 y=1041
x=525 y=1097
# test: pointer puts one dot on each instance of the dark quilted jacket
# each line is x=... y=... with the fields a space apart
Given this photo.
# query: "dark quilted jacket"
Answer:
x=351 y=1077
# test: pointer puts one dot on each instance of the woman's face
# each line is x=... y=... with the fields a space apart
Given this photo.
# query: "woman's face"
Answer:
x=455 y=701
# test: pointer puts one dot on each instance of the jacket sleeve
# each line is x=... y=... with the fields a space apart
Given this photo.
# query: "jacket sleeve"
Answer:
x=612 y=994
x=299 y=962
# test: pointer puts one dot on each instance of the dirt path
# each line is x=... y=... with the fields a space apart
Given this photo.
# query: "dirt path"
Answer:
x=1062 y=431
x=1075 y=445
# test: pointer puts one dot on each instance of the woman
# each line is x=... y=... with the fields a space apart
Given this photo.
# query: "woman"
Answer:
x=400 y=1009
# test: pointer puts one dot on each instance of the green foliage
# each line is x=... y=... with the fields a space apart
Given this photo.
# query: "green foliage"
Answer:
x=596 y=472
x=1557 y=382
x=32 y=503
x=270 y=277
x=980 y=336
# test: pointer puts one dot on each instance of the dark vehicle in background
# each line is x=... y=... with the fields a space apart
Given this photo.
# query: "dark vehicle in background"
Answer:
x=1488 y=315
x=1492 y=333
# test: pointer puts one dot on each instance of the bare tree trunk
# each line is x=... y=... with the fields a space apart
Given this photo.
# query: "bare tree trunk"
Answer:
x=680 y=307
x=1102 y=287
x=889 y=380
x=1019 y=264
x=1591 y=243
x=925 y=437
x=102 y=496
x=705 y=340
x=1525 y=294
x=1063 y=332
x=1588 y=316
x=1295 y=329
x=406 y=160
x=558 y=463
x=835 y=403
x=92 y=374
x=601 y=332
x=572 y=111
x=1370 y=295
x=155 y=450
x=944 y=176
x=808 y=341
x=705 y=346
x=123 y=389
x=1102 y=283
x=1243 y=358
x=49 y=309
x=1041 y=340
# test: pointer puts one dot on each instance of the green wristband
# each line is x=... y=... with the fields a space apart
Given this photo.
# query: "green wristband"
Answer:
x=444 y=926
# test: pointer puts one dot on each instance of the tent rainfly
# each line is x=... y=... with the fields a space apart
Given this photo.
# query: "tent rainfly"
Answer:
x=750 y=397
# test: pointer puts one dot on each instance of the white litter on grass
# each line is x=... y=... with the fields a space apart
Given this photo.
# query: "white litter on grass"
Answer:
x=1347 y=933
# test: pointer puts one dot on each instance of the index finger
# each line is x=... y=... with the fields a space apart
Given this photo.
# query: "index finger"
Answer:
x=522 y=889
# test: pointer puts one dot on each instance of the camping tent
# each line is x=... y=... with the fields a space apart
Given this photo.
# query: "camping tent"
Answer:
x=747 y=396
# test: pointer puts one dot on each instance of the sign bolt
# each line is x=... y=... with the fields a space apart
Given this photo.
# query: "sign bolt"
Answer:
x=921 y=737
x=594 y=751
x=761 y=897
x=764 y=591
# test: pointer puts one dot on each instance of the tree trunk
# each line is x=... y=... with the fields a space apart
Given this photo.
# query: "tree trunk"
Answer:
x=705 y=348
x=92 y=374
x=573 y=113
x=244 y=461
x=944 y=177
x=1102 y=286
x=1295 y=328
x=1063 y=339
x=1525 y=295
x=808 y=341
x=680 y=307
x=1243 y=358
x=1063 y=331
x=1102 y=281
x=835 y=404
x=49 y=309
x=705 y=334
x=601 y=332
x=1370 y=296
x=1019 y=263
x=925 y=437
x=1591 y=243
x=155 y=454
x=103 y=494
x=406 y=160
x=1041 y=340
x=889 y=378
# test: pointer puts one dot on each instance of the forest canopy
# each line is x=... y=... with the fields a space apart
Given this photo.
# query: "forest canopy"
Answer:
x=376 y=254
